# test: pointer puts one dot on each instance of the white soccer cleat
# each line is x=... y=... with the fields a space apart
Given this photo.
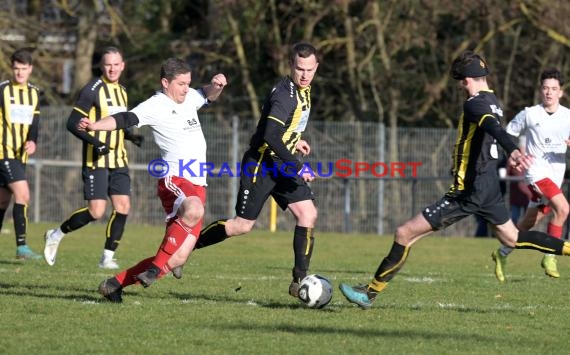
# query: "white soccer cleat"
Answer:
x=109 y=264
x=50 y=249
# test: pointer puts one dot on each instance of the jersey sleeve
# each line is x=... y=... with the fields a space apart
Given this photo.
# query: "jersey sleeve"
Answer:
x=146 y=113
x=487 y=116
x=478 y=110
x=86 y=99
x=281 y=106
x=73 y=121
x=35 y=127
x=198 y=98
x=281 y=109
x=517 y=125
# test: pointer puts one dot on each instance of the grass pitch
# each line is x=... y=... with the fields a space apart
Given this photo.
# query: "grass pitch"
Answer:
x=233 y=299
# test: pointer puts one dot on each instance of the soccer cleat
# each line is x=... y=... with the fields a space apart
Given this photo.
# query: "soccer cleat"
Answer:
x=500 y=263
x=549 y=265
x=358 y=295
x=112 y=290
x=23 y=252
x=177 y=271
x=50 y=249
x=294 y=289
x=109 y=264
x=147 y=277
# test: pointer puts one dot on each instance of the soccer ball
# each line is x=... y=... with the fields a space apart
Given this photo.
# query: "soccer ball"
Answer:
x=315 y=291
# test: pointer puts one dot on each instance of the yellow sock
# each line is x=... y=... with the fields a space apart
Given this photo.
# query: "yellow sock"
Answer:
x=566 y=248
x=377 y=286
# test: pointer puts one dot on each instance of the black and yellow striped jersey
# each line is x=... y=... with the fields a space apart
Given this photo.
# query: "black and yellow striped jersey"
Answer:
x=476 y=152
x=284 y=117
x=98 y=99
x=19 y=118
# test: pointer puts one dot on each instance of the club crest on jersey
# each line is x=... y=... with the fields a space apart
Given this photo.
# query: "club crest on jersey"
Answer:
x=497 y=110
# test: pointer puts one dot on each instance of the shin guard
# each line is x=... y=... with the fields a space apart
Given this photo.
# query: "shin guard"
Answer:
x=390 y=265
x=214 y=233
x=176 y=233
x=19 y=213
x=303 y=242
x=539 y=241
x=78 y=219
x=115 y=229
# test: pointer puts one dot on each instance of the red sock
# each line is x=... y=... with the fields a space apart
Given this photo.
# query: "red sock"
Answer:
x=176 y=233
x=128 y=277
x=554 y=230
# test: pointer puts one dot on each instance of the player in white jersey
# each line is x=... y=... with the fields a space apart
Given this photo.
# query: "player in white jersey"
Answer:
x=546 y=127
x=172 y=116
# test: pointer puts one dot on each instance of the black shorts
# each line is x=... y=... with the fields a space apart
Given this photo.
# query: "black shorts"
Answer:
x=11 y=170
x=100 y=183
x=264 y=177
x=485 y=200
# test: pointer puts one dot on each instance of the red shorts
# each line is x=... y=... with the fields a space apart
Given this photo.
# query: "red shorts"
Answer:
x=542 y=190
x=172 y=190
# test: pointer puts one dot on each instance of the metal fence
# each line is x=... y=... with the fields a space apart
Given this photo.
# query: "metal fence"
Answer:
x=364 y=204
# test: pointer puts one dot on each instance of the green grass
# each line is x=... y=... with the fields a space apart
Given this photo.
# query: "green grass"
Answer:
x=233 y=300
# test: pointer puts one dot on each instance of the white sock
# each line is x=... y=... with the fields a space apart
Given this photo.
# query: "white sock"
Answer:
x=58 y=234
x=108 y=254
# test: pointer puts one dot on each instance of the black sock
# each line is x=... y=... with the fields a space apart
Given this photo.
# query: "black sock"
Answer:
x=115 y=229
x=539 y=241
x=78 y=219
x=303 y=242
x=2 y=213
x=212 y=234
x=392 y=263
x=19 y=213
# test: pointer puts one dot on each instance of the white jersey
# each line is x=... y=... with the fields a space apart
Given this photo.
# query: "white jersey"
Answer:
x=177 y=132
x=546 y=136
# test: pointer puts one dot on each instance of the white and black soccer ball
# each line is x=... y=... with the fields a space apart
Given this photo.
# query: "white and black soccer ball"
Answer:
x=315 y=291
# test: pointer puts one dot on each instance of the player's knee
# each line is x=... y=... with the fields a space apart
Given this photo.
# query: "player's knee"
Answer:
x=123 y=207
x=402 y=234
x=525 y=225
x=96 y=213
x=307 y=216
x=193 y=214
x=562 y=211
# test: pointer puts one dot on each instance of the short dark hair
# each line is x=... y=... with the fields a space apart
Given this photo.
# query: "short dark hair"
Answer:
x=552 y=73
x=110 y=50
x=469 y=64
x=303 y=50
x=23 y=55
x=173 y=67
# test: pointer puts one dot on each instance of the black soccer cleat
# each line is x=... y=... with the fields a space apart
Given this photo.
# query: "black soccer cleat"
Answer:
x=112 y=290
x=149 y=276
x=177 y=271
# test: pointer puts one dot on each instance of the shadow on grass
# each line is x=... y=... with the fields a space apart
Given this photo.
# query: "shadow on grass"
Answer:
x=69 y=293
x=17 y=262
x=363 y=333
x=293 y=304
x=325 y=271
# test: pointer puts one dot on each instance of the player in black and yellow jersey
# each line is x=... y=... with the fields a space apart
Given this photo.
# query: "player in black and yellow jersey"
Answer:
x=19 y=124
x=270 y=167
x=475 y=189
x=105 y=163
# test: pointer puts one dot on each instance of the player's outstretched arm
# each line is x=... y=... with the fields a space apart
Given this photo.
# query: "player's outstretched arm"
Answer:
x=105 y=124
x=214 y=89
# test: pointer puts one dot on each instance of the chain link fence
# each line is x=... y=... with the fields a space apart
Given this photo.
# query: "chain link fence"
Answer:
x=346 y=203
